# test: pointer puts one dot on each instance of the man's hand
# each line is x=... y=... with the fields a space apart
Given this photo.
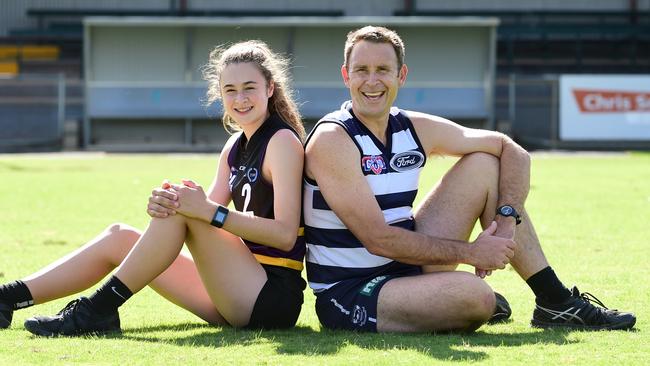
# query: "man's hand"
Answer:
x=506 y=227
x=490 y=252
x=163 y=201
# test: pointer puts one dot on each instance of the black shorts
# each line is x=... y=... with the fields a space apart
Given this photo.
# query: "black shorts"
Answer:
x=352 y=304
x=279 y=302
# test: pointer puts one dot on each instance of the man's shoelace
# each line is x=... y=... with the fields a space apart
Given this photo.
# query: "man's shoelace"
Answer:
x=593 y=299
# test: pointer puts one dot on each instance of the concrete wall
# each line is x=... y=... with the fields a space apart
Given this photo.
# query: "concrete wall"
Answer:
x=150 y=68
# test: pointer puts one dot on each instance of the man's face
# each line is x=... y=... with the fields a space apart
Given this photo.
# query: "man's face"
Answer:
x=373 y=79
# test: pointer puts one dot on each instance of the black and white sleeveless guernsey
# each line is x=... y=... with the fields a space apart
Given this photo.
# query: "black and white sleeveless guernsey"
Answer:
x=252 y=193
x=333 y=253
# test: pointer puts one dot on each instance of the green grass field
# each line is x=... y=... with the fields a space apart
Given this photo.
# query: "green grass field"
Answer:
x=592 y=213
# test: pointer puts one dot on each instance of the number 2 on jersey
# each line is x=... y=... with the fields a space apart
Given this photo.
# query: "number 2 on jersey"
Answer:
x=246 y=192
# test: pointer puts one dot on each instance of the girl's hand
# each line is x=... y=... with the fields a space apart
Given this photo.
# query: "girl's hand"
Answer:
x=192 y=201
x=163 y=201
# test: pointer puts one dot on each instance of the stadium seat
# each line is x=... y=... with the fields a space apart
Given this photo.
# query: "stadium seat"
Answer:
x=8 y=67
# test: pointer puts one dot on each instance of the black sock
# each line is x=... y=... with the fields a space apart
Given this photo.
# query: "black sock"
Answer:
x=548 y=287
x=110 y=296
x=17 y=294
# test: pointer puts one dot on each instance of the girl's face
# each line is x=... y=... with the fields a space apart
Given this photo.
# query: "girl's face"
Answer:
x=245 y=94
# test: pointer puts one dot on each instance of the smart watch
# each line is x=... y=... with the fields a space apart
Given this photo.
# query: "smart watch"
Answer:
x=219 y=216
x=507 y=210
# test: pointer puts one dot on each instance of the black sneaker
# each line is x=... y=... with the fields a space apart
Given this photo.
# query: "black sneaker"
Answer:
x=6 y=313
x=502 y=310
x=579 y=312
x=76 y=318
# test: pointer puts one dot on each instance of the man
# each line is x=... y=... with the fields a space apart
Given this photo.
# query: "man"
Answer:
x=375 y=265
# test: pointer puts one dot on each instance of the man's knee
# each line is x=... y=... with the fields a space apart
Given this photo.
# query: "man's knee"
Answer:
x=481 y=161
x=481 y=302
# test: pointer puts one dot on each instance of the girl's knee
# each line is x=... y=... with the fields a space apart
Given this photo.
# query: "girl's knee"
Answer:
x=120 y=238
x=124 y=231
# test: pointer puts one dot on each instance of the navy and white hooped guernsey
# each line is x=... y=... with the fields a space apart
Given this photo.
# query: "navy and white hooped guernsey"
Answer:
x=392 y=172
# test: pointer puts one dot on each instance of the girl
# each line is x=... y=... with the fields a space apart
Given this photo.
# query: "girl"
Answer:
x=245 y=265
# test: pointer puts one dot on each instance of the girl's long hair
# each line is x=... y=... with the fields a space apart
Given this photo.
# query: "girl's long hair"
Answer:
x=271 y=65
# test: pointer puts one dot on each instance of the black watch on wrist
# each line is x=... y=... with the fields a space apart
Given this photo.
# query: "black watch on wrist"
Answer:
x=507 y=210
x=219 y=216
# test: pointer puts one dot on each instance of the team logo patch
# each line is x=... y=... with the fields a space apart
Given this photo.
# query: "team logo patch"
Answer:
x=407 y=160
x=369 y=287
x=359 y=315
x=252 y=174
x=374 y=163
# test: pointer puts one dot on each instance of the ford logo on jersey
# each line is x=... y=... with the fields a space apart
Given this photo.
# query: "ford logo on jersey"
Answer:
x=374 y=163
x=406 y=161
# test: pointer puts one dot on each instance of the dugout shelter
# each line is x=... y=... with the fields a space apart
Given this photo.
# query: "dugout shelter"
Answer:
x=144 y=88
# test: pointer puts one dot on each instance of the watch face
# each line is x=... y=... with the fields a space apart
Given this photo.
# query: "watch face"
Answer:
x=506 y=210
x=221 y=217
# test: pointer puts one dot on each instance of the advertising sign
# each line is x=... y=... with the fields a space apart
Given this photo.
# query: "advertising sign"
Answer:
x=605 y=107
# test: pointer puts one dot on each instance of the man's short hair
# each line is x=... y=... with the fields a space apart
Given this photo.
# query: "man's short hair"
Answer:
x=377 y=35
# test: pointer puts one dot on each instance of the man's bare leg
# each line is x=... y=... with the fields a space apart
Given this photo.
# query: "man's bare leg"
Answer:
x=446 y=300
x=556 y=306
x=451 y=194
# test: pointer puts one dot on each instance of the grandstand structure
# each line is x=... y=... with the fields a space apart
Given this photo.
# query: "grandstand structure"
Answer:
x=61 y=81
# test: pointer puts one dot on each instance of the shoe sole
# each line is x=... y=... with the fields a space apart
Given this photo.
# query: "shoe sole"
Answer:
x=620 y=326
x=36 y=330
x=499 y=318
x=4 y=323
x=505 y=311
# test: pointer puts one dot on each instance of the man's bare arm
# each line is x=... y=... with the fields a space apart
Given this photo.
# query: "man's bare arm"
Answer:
x=441 y=136
x=333 y=161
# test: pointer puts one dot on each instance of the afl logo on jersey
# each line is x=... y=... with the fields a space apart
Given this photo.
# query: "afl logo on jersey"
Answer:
x=374 y=163
x=407 y=160
x=251 y=174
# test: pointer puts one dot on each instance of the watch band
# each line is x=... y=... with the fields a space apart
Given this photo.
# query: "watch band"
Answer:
x=220 y=216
